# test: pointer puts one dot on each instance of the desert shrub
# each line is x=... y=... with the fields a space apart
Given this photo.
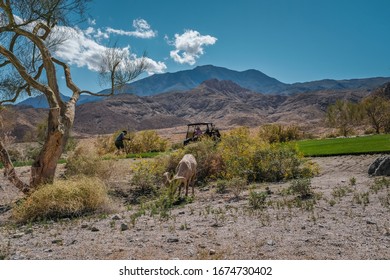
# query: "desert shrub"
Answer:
x=209 y=160
x=147 y=177
x=147 y=141
x=236 y=185
x=257 y=199
x=379 y=184
x=140 y=142
x=279 y=162
x=65 y=198
x=84 y=160
x=302 y=187
x=236 y=149
x=221 y=186
x=277 y=133
x=105 y=144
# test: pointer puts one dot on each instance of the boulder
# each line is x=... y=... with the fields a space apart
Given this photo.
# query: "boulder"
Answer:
x=380 y=167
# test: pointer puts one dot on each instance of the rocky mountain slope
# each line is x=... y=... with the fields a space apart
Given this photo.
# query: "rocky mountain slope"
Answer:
x=223 y=102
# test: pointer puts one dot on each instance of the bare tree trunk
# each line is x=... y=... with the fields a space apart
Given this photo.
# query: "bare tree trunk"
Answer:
x=44 y=167
x=9 y=170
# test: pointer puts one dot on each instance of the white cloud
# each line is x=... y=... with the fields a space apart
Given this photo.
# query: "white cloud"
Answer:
x=155 y=67
x=142 y=30
x=189 y=46
x=80 y=49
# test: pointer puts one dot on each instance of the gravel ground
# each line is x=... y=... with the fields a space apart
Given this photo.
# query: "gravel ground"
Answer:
x=345 y=219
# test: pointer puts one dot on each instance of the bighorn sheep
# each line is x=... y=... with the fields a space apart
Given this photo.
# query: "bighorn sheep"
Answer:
x=185 y=174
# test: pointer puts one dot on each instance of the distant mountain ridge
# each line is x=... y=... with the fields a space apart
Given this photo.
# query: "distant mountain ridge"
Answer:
x=252 y=80
x=223 y=102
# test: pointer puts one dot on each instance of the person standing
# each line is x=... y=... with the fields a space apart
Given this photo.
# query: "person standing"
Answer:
x=119 y=144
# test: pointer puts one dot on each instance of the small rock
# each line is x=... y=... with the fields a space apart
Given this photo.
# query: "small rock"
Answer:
x=182 y=213
x=172 y=239
x=271 y=242
x=84 y=226
x=370 y=223
x=57 y=241
x=94 y=229
x=124 y=227
x=18 y=235
x=212 y=252
x=116 y=218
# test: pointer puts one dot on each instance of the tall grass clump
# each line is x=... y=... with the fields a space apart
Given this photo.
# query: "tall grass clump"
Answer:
x=63 y=199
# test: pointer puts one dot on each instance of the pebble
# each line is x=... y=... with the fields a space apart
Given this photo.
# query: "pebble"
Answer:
x=18 y=235
x=172 y=239
x=124 y=227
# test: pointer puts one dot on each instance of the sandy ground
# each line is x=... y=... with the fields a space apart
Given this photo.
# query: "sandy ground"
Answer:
x=346 y=219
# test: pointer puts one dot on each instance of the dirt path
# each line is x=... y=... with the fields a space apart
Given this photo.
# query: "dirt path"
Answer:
x=348 y=220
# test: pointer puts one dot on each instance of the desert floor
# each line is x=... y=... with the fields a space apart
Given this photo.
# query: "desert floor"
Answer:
x=348 y=217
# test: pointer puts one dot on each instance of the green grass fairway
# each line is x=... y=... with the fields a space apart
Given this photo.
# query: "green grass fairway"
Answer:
x=346 y=146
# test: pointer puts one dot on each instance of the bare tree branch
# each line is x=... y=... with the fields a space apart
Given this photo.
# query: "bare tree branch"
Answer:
x=9 y=170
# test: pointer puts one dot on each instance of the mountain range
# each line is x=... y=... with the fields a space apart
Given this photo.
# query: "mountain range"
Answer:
x=252 y=80
x=223 y=101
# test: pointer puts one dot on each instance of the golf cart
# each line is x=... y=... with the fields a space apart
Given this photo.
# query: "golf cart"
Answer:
x=197 y=131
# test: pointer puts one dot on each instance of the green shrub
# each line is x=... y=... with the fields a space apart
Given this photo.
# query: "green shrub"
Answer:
x=277 y=133
x=221 y=186
x=64 y=198
x=147 y=177
x=236 y=185
x=146 y=141
x=236 y=149
x=279 y=162
x=257 y=199
x=302 y=187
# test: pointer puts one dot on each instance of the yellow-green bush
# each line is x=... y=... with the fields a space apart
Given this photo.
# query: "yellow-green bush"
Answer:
x=278 y=162
x=254 y=159
x=236 y=149
x=65 y=198
x=140 y=142
x=277 y=133
x=146 y=141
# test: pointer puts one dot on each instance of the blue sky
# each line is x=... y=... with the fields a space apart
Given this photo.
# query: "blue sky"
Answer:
x=292 y=41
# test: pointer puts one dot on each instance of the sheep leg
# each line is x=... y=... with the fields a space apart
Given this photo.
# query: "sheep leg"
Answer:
x=179 y=190
x=186 y=183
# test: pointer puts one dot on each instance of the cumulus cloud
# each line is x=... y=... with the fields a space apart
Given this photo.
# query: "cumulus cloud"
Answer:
x=142 y=30
x=79 y=48
x=189 y=46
